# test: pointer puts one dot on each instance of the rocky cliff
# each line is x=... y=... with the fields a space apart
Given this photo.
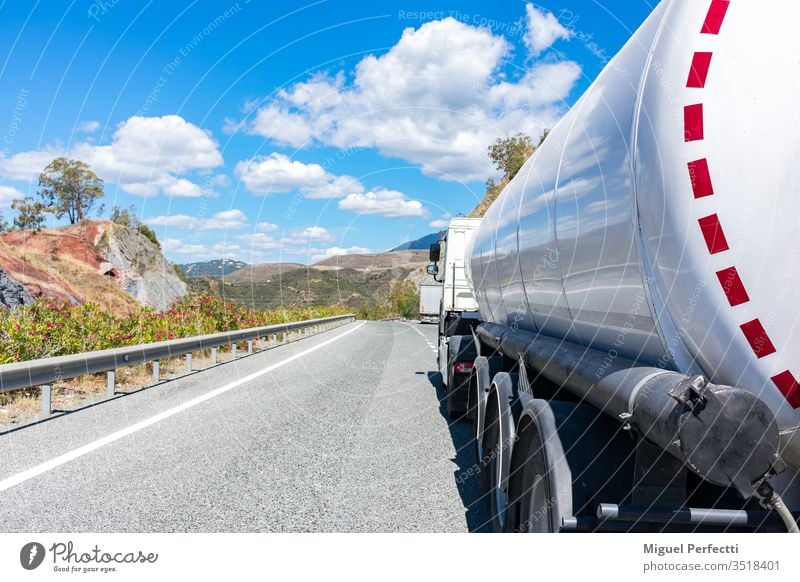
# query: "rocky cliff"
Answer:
x=101 y=262
x=140 y=268
x=12 y=293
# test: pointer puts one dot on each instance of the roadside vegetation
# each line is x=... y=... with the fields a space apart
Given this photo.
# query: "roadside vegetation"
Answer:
x=45 y=329
x=402 y=301
x=508 y=155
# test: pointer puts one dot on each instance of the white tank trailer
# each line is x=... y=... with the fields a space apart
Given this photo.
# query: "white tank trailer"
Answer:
x=645 y=260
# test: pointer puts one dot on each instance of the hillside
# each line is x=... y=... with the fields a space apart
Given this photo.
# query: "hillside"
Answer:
x=262 y=273
x=215 y=268
x=98 y=262
x=351 y=280
x=492 y=192
x=375 y=261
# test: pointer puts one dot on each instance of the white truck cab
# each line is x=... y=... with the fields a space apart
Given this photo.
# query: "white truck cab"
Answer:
x=459 y=309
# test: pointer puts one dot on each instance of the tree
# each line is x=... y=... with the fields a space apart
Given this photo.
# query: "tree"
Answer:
x=508 y=154
x=127 y=217
x=124 y=216
x=3 y=223
x=148 y=233
x=69 y=187
x=30 y=213
x=404 y=299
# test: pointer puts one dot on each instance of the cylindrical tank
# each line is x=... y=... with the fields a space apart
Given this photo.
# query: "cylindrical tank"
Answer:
x=656 y=221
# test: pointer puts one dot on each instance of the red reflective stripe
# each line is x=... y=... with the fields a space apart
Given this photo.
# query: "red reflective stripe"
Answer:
x=713 y=233
x=758 y=338
x=732 y=286
x=693 y=122
x=701 y=178
x=464 y=367
x=787 y=384
x=715 y=16
x=699 y=70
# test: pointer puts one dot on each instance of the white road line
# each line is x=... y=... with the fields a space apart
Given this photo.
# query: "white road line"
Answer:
x=93 y=446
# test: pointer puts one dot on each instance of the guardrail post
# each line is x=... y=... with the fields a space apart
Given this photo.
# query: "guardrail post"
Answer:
x=249 y=346
x=213 y=356
x=262 y=344
x=233 y=351
x=156 y=371
x=111 y=377
x=274 y=340
x=188 y=363
x=46 y=400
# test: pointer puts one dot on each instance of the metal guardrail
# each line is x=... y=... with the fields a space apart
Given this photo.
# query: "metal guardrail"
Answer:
x=44 y=372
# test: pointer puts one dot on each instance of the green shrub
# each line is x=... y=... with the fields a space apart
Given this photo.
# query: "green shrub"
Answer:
x=49 y=328
x=148 y=233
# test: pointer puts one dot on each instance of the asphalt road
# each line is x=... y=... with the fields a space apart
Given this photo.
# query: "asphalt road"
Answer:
x=350 y=436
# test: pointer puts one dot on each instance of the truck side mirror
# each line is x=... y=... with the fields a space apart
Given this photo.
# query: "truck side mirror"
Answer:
x=434 y=252
x=432 y=270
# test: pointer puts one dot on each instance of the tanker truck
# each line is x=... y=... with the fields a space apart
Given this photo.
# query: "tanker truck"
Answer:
x=458 y=310
x=633 y=367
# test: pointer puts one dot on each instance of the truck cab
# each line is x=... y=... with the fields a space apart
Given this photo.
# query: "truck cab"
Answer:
x=458 y=312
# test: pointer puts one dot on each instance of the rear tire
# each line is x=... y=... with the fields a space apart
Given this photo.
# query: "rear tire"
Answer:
x=531 y=509
x=461 y=349
x=498 y=445
x=497 y=495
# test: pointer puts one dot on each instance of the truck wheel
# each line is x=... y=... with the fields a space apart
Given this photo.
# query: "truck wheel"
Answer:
x=540 y=482
x=498 y=444
x=497 y=495
x=461 y=349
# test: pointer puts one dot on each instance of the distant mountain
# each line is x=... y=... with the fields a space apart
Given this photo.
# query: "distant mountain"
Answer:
x=352 y=280
x=421 y=244
x=406 y=259
x=215 y=268
x=262 y=273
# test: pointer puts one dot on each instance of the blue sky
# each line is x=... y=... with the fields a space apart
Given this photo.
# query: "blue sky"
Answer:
x=266 y=131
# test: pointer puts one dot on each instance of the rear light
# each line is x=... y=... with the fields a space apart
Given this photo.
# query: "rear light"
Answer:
x=464 y=367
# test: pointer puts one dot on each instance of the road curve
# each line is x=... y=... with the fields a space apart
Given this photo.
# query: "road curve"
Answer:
x=347 y=435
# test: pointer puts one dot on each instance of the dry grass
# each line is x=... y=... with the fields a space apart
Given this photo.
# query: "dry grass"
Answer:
x=21 y=407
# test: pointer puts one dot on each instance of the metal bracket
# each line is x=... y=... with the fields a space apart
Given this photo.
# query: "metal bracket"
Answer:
x=691 y=391
x=524 y=384
x=472 y=330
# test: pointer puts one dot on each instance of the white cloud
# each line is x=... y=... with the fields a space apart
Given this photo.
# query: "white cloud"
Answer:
x=174 y=245
x=221 y=180
x=543 y=29
x=273 y=122
x=261 y=247
x=277 y=173
x=88 y=126
x=26 y=166
x=334 y=187
x=315 y=233
x=266 y=227
x=183 y=188
x=8 y=194
x=147 y=155
x=438 y=98
x=388 y=203
x=321 y=254
x=227 y=219
x=216 y=250
x=442 y=222
x=259 y=240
